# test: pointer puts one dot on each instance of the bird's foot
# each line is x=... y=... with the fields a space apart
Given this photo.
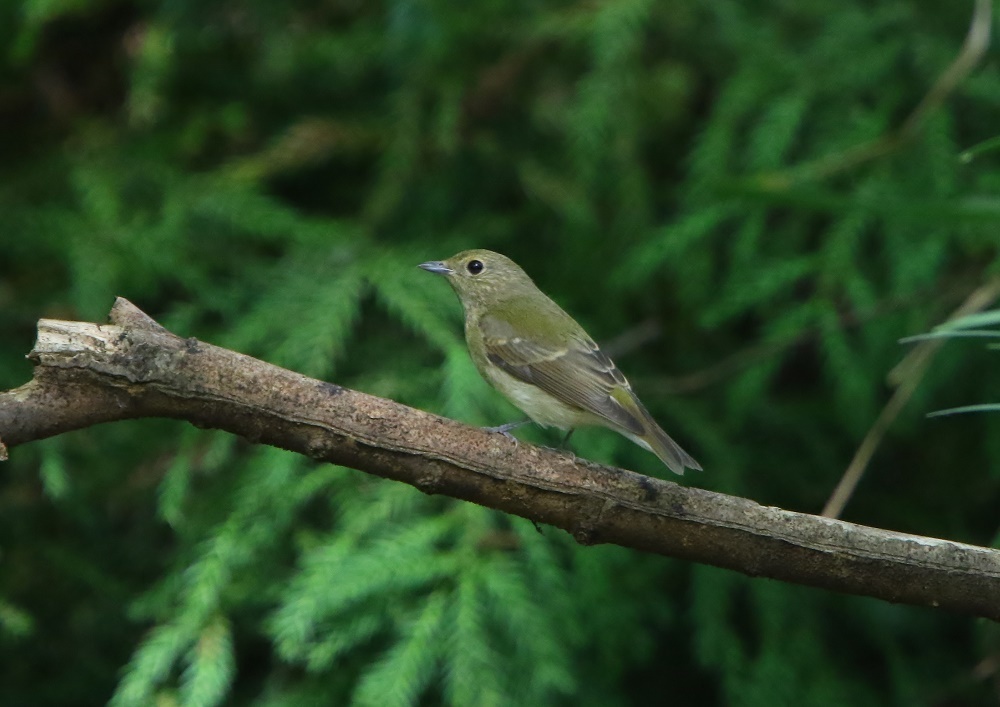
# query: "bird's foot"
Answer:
x=505 y=430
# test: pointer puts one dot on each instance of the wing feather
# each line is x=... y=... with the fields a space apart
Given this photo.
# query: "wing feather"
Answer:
x=574 y=371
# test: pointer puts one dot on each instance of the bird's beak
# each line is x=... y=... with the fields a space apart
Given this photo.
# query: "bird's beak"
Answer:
x=436 y=266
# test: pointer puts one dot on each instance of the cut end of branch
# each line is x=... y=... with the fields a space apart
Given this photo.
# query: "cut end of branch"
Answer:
x=127 y=315
x=3 y=452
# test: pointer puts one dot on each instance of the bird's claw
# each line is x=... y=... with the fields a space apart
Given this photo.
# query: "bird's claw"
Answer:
x=505 y=430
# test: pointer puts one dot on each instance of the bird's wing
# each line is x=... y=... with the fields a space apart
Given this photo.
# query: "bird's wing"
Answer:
x=571 y=369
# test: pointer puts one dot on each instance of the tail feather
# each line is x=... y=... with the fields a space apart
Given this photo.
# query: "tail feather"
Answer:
x=671 y=453
x=662 y=445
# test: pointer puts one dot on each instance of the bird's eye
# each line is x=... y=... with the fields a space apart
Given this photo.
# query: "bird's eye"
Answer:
x=475 y=267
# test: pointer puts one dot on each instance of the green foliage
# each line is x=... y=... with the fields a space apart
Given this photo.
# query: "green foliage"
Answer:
x=266 y=176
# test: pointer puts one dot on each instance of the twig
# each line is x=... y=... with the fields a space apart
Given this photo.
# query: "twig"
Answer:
x=633 y=338
x=977 y=41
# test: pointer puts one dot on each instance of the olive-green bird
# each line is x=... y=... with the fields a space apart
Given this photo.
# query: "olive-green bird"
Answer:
x=534 y=353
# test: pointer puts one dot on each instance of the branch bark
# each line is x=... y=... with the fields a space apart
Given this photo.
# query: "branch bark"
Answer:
x=87 y=374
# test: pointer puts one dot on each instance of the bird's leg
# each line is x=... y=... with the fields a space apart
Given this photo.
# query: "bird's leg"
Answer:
x=564 y=445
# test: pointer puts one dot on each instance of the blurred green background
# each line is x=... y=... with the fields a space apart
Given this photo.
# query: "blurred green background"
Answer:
x=680 y=176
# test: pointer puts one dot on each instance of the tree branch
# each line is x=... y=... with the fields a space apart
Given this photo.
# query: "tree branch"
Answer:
x=86 y=374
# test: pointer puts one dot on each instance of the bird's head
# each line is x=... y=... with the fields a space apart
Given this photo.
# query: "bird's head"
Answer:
x=481 y=276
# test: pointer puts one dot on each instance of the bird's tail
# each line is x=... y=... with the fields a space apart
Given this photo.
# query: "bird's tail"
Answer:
x=662 y=445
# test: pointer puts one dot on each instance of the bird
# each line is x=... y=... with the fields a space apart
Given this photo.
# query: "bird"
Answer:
x=537 y=356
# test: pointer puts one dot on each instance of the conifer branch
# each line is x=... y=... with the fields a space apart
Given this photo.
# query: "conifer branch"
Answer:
x=88 y=373
x=974 y=48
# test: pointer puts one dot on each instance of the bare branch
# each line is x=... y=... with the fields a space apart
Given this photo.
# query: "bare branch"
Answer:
x=86 y=373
